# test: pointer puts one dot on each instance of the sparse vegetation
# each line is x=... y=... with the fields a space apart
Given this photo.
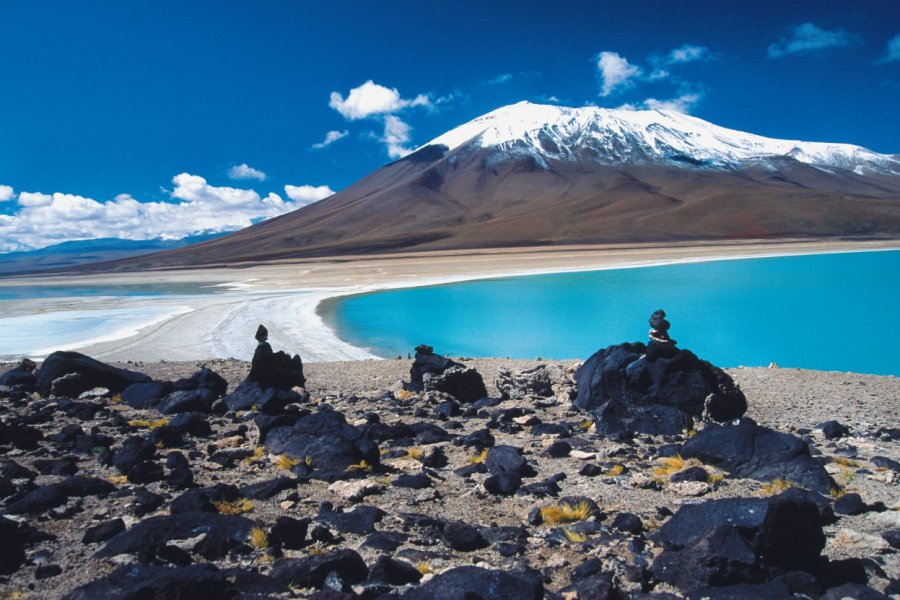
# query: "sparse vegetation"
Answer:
x=116 y=399
x=614 y=470
x=716 y=478
x=845 y=462
x=285 y=462
x=566 y=513
x=478 y=458
x=414 y=454
x=574 y=536
x=117 y=479
x=361 y=466
x=233 y=507
x=257 y=455
x=148 y=424
x=672 y=464
x=586 y=424
x=259 y=539
x=776 y=486
x=424 y=568
x=836 y=492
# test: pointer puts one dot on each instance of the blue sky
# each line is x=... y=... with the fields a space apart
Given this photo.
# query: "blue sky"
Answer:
x=140 y=119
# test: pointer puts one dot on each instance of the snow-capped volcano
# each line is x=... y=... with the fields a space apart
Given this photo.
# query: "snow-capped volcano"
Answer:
x=615 y=136
x=527 y=175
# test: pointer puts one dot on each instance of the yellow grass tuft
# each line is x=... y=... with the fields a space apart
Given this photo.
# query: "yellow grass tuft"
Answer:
x=424 y=568
x=233 y=507
x=116 y=399
x=672 y=464
x=382 y=480
x=414 y=453
x=259 y=539
x=845 y=462
x=257 y=455
x=690 y=432
x=566 y=513
x=776 y=486
x=716 y=478
x=403 y=395
x=315 y=551
x=836 y=492
x=586 y=424
x=283 y=461
x=117 y=479
x=148 y=424
x=574 y=536
x=614 y=470
x=478 y=458
x=361 y=466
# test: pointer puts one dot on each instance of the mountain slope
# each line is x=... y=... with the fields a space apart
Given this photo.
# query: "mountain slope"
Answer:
x=530 y=174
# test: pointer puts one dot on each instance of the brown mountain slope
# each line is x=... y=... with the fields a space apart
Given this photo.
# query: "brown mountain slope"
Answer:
x=469 y=199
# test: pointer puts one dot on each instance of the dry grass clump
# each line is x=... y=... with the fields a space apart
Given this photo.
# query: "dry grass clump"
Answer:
x=836 y=492
x=614 y=471
x=257 y=455
x=478 y=458
x=233 y=507
x=574 y=536
x=670 y=465
x=586 y=424
x=414 y=454
x=117 y=479
x=404 y=395
x=360 y=467
x=566 y=513
x=845 y=462
x=285 y=462
x=148 y=424
x=776 y=486
x=424 y=568
x=259 y=539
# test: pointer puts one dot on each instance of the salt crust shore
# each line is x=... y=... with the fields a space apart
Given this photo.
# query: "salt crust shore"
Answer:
x=285 y=296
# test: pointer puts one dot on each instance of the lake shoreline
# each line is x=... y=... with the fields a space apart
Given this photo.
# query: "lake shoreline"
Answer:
x=292 y=297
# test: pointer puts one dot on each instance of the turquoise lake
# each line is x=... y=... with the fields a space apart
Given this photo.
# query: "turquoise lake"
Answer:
x=829 y=311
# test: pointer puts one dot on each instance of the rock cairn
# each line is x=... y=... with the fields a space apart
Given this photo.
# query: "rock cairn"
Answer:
x=659 y=329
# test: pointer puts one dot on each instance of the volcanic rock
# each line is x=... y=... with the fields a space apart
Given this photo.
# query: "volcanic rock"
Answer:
x=21 y=377
x=528 y=382
x=313 y=570
x=92 y=373
x=432 y=372
x=475 y=582
x=135 y=582
x=277 y=370
x=146 y=395
x=56 y=494
x=750 y=450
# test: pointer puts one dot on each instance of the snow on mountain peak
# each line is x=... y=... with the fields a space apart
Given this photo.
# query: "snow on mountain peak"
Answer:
x=639 y=136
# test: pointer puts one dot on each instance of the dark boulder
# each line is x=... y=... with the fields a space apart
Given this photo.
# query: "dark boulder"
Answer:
x=432 y=372
x=463 y=537
x=56 y=494
x=326 y=442
x=103 y=531
x=630 y=375
x=139 y=582
x=289 y=532
x=615 y=417
x=833 y=430
x=222 y=533
x=250 y=395
x=269 y=488
x=204 y=499
x=503 y=484
x=311 y=572
x=277 y=370
x=750 y=450
x=134 y=449
x=361 y=520
x=93 y=373
x=146 y=395
x=206 y=379
x=738 y=540
x=190 y=423
x=393 y=571
x=16 y=536
x=199 y=400
x=507 y=459
x=427 y=362
x=464 y=583
x=21 y=377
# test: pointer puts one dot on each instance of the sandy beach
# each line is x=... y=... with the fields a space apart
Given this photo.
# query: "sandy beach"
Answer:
x=285 y=296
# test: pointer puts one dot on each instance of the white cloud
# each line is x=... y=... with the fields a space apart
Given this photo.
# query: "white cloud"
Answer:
x=44 y=219
x=307 y=194
x=372 y=99
x=807 y=37
x=6 y=193
x=683 y=103
x=616 y=72
x=500 y=79
x=396 y=136
x=687 y=53
x=330 y=138
x=245 y=171
x=892 y=52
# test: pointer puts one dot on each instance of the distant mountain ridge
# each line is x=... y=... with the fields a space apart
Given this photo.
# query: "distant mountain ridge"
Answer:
x=529 y=174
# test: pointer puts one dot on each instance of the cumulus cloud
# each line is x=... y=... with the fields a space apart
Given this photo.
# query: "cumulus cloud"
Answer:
x=683 y=103
x=499 y=79
x=396 y=137
x=892 y=52
x=307 y=194
x=372 y=99
x=195 y=207
x=616 y=72
x=808 y=37
x=687 y=53
x=6 y=193
x=245 y=171
x=330 y=138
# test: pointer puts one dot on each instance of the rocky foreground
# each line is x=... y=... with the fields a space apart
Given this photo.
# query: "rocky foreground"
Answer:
x=644 y=472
